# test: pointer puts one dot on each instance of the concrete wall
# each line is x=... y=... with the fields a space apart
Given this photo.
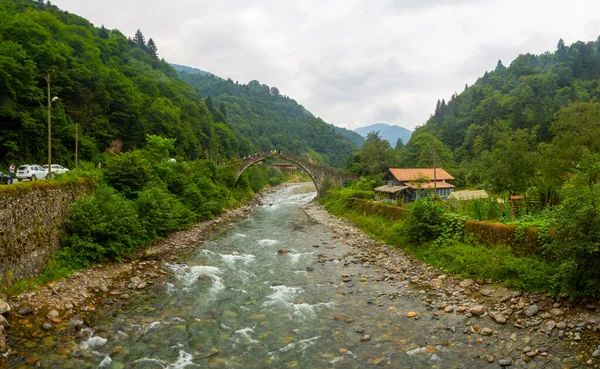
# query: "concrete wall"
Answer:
x=31 y=219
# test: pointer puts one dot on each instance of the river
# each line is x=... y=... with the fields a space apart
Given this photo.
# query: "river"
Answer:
x=278 y=290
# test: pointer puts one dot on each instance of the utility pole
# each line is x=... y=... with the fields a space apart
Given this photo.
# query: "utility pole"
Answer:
x=47 y=76
x=434 y=177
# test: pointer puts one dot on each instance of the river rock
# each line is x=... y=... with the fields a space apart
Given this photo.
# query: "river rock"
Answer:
x=596 y=353
x=3 y=322
x=4 y=307
x=466 y=283
x=486 y=331
x=25 y=309
x=504 y=362
x=365 y=338
x=52 y=315
x=498 y=317
x=557 y=312
x=561 y=325
x=549 y=326
x=486 y=291
x=531 y=310
x=477 y=310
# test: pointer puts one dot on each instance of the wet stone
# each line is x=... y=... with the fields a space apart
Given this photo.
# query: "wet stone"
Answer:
x=25 y=309
x=365 y=338
x=531 y=310
x=477 y=310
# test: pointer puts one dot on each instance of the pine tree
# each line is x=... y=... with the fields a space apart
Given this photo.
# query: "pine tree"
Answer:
x=152 y=49
x=103 y=33
x=41 y=4
x=139 y=39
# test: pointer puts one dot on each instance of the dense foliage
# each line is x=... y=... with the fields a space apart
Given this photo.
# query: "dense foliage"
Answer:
x=518 y=130
x=124 y=215
x=436 y=236
x=119 y=91
x=273 y=121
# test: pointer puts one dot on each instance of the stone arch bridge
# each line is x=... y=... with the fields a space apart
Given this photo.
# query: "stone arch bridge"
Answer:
x=319 y=175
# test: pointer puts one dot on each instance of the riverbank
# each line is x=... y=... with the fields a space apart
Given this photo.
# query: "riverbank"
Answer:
x=554 y=322
x=34 y=312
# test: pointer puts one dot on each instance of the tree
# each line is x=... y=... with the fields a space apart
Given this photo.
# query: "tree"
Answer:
x=103 y=33
x=152 y=49
x=376 y=155
x=512 y=164
x=399 y=144
x=139 y=39
x=576 y=245
x=157 y=148
x=423 y=149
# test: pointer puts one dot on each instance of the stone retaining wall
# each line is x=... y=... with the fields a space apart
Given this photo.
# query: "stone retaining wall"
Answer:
x=31 y=220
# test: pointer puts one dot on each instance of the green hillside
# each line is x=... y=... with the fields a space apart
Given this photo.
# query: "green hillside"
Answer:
x=271 y=120
x=115 y=87
x=520 y=127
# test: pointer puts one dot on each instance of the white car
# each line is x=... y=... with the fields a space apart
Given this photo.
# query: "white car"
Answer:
x=31 y=172
x=56 y=169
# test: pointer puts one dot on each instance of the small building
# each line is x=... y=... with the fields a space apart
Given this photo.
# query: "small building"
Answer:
x=467 y=195
x=410 y=184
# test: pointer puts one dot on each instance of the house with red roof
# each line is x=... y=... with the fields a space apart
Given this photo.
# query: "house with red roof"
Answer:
x=410 y=184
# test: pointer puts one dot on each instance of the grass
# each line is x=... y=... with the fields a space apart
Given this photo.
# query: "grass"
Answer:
x=530 y=273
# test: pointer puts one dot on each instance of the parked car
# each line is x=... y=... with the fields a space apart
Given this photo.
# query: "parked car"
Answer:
x=31 y=172
x=4 y=178
x=56 y=169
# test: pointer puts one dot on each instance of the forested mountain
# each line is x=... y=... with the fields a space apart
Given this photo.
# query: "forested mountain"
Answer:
x=519 y=127
x=115 y=87
x=387 y=132
x=354 y=137
x=271 y=120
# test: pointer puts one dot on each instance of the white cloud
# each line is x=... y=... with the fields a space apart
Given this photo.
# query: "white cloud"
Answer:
x=351 y=62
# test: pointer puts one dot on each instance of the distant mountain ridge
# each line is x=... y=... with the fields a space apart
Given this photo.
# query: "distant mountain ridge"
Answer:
x=183 y=68
x=269 y=120
x=387 y=132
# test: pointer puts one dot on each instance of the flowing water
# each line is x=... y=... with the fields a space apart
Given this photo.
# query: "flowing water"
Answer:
x=256 y=296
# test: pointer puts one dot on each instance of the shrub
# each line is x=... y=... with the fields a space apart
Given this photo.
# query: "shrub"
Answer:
x=161 y=212
x=102 y=226
x=194 y=199
x=128 y=172
x=423 y=220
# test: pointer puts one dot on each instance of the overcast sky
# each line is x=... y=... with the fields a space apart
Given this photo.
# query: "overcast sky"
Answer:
x=351 y=62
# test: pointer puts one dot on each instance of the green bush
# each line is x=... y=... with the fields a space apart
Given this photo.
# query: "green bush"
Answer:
x=161 y=212
x=128 y=172
x=424 y=220
x=102 y=226
x=193 y=198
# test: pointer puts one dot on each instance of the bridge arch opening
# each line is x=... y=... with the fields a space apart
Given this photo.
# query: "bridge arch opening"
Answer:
x=263 y=159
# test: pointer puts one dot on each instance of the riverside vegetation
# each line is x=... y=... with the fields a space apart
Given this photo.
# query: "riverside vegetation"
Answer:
x=433 y=232
x=139 y=199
